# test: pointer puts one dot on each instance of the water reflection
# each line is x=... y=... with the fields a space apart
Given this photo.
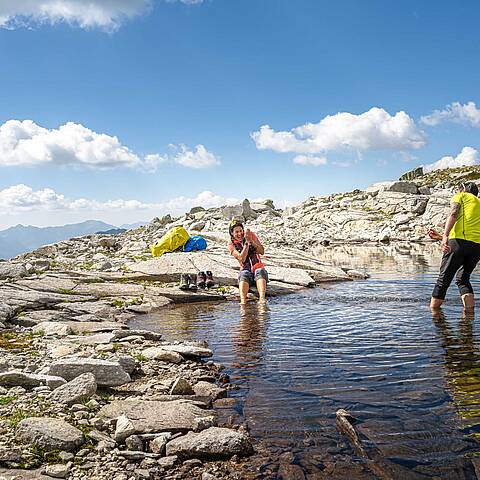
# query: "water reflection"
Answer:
x=462 y=364
x=249 y=336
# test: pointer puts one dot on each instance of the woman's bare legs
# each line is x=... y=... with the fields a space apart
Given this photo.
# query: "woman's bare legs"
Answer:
x=262 y=289
x=468 y=301
x=243 y=287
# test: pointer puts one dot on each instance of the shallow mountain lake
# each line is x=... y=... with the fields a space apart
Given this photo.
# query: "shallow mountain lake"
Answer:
x=370 y=347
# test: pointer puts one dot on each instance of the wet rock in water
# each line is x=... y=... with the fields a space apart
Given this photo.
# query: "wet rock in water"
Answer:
x=13 y=271
x=52 y=328
x=290 y=472
x=107 y=374
x=206 y=389
x=189 y=350
x=148 y=416
x=158 y=353
x=181 y=387
x=49 y=433
x=15 y=378
x=75 y=391
x=215 y=442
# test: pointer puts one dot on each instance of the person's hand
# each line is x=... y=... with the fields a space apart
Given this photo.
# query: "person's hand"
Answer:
x=248 y=235
x=434 y=235
x=444 y=245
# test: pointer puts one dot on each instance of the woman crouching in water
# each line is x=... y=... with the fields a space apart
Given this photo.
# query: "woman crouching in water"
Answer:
x=246 y=248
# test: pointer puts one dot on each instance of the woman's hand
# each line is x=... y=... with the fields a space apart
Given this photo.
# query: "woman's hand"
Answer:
x=444 y=244
x=248 y=235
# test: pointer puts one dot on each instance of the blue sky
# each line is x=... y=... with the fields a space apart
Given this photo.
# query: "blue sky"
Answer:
x=165 y=77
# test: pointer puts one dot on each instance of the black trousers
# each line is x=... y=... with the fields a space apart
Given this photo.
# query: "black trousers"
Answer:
x=460 y=263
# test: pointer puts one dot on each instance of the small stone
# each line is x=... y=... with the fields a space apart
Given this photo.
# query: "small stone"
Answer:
x=207 y=389
x=124 y=428
x=181 y=387
x=66 y=456
x=158 y=444
x=194 y=462
x=168 y=462
x=157 y=353
x=57 y=471
x=133 y=442
x=77 y=390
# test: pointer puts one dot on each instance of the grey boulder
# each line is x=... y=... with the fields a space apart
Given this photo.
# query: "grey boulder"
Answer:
x=215 y=442
x=49 y=433
x=107 y=374
x=150 y=416
x=15 y=378
x=75 y=391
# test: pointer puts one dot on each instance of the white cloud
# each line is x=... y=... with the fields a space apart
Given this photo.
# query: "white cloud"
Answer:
x=375 y=129
x=467 y=114
x=105 y=14
x=467 y=157
x=22 y=198
x=310 y=160
x=198 y=158
x=24 y=143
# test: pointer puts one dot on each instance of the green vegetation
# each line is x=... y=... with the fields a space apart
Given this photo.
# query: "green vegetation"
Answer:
x=14 y=341
x=7 y=399
x=66 y=291
x=140 y=357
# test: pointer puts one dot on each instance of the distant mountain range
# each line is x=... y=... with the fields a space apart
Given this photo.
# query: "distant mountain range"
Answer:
x=21 y=239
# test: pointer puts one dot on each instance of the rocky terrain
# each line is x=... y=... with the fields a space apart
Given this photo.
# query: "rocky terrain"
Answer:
x=83 y=396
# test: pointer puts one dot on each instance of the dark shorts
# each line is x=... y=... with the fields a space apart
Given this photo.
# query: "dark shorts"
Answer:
x=459 y=263
x=251 y=278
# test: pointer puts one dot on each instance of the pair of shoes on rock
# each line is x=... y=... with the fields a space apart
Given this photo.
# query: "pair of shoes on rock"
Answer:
x=188 y=281
x=205 y=279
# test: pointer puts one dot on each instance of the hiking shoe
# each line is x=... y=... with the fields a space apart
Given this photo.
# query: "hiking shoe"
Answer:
x=210 y=283
x=193 y=282
x=202 y=278
x=184 y=281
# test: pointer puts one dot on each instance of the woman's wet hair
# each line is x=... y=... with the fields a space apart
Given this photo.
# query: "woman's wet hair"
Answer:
x=469 y=187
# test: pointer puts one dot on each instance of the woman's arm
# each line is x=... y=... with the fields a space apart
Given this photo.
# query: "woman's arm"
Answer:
x=241 y=256
x=255 y=242
x=452 y=218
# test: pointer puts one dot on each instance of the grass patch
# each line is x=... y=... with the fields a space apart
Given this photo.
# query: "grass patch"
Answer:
x=13 y=341
x=8 y=399
x=66 y=291
x=140 y=357
x=18 y=415
x=116 y=347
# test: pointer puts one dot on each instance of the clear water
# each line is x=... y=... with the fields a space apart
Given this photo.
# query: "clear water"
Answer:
x=370 y=347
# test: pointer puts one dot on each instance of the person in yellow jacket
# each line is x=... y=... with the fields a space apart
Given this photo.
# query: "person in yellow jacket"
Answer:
x=460 y=244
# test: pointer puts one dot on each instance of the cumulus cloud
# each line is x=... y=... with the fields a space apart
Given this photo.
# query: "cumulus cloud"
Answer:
x=375 y=129
x=467 y=114
x=310 y=160
x=467 y=157
x=105 y=14
x=22 y=198
x=24 y=143
x=200 y=157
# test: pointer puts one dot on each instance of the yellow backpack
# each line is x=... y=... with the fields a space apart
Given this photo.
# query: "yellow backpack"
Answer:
x=174 y=239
